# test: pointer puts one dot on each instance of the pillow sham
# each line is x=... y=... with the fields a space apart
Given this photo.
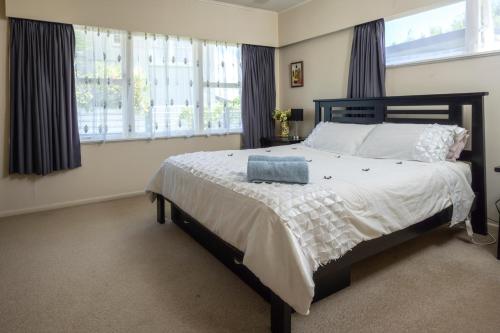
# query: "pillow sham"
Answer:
x=338 y=137
x=459 y=142
x=417 y=142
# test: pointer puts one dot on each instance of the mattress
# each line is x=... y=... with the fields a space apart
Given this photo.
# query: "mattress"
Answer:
x=287 y=231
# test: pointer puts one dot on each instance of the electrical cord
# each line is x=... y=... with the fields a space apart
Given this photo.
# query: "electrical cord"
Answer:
x=474 y=236
x=474 y=241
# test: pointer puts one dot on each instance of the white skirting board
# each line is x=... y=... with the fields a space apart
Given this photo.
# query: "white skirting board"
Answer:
x=492 y=225
x=66 y=204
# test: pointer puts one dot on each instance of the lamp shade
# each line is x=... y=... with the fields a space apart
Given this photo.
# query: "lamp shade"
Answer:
x=297 y=115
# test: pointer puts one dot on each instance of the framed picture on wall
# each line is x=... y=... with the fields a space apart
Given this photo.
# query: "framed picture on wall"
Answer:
x=297 y=74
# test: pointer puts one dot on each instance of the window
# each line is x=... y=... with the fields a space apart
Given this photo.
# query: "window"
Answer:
x=101 y=82
x=221 y=88
x=136 y=85
x=456 y=29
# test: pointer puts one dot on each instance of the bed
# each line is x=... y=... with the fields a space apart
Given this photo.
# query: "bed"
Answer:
x=295 y=244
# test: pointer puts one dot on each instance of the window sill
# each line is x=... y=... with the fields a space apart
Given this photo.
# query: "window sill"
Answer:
x=93 y=142
x=445 y=59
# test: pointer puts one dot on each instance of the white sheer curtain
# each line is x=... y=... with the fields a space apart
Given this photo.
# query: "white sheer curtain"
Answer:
x=101 y=76
x=141 y=85
x=163 y=84
x=221 y=87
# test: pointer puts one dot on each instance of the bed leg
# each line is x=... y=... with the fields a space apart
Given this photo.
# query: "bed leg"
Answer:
x=160 y=209
x=281 y=315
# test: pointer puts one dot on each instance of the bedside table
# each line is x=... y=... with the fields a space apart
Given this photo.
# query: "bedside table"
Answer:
x=278 y=141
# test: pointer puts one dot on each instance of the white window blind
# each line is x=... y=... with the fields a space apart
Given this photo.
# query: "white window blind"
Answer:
x=460 y=28
x=139 y=85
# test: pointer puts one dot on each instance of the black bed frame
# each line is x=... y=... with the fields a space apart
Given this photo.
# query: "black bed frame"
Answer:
x=443 y=109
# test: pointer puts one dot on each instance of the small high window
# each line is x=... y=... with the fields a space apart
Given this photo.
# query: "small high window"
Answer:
x=454 y=29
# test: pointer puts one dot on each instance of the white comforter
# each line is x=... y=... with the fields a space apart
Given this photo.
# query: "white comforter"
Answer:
x=288 y=231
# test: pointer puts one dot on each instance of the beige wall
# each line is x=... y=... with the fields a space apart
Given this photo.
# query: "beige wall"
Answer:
x=109 y=170
x=319 y=17
x=326 y=64
x=194 y=18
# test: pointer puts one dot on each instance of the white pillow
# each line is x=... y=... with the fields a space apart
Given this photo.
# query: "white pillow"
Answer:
x=412 y=142
x=459 y=142
x=338 y=137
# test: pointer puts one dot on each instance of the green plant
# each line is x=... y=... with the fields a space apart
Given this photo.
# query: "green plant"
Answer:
x=216 y=112
x=141 y=93
x=186 y=114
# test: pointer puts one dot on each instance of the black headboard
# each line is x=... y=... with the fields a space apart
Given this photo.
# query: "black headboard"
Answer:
x=422 y=109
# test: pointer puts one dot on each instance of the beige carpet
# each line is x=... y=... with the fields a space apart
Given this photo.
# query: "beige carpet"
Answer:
x=110 y=268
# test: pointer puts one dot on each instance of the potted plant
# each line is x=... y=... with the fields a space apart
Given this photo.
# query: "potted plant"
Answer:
x=282 y=116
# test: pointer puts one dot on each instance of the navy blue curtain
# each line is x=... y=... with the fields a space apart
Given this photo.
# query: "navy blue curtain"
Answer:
x=43 y=117
x=258 y=95
x=367 y=68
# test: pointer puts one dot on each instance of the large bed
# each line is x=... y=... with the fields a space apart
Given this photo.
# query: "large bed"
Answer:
x=294 y=244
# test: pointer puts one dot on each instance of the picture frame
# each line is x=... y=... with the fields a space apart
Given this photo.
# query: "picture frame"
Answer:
x=297 y=74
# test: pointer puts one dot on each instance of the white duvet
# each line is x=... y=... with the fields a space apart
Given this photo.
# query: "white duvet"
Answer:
x=288 y=231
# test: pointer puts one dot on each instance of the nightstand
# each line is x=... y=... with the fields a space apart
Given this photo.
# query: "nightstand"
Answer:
x=278 y=141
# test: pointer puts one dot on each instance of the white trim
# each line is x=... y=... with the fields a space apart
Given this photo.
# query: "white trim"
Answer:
x=492 y=224
x=199 y=92
x=164 y=138
x=445 y=59
x=73 y=203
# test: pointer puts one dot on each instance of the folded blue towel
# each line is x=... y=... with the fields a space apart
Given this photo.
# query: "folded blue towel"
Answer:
x=276 y=158
x=293 y=172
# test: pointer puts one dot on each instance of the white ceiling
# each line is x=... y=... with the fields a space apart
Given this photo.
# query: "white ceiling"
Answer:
x=274 y=5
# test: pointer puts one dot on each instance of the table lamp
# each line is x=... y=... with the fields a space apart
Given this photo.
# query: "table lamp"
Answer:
x=297 y=115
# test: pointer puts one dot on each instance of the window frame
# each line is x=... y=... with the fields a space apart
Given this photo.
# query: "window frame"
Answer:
x=128 y=113
x=214 y=84
x=467 y=54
